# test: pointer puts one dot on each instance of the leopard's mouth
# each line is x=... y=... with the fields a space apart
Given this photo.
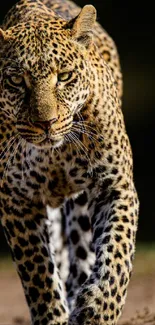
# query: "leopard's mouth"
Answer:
x=39 y=137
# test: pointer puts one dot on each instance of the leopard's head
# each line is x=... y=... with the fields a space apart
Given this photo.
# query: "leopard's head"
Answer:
x=46 y=75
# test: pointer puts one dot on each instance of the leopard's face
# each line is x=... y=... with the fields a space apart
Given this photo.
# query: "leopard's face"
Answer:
x=45 y=81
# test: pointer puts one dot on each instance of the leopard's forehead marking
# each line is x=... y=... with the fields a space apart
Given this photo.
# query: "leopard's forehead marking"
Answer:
x=42 y=46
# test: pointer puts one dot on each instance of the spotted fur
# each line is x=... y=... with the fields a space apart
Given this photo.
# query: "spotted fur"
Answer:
x=66 y=164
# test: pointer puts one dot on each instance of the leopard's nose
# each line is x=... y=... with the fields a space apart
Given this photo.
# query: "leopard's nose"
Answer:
x=45 y=125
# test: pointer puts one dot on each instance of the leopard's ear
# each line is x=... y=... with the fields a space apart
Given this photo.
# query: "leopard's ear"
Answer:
x=82 y=25
x=2 y=35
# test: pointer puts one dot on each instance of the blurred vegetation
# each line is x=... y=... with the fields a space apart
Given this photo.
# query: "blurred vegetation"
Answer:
x=144 y=259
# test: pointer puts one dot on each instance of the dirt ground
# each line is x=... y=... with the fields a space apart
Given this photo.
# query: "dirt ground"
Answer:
x=139 y=309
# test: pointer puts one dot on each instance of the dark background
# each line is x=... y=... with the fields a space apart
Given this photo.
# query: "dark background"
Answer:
x=131 y=25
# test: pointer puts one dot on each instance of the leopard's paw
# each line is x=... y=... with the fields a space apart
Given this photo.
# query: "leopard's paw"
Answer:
x=93 y=308
x=88 y=310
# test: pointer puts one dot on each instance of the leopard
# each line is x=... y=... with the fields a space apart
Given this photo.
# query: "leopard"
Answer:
x=68 y=201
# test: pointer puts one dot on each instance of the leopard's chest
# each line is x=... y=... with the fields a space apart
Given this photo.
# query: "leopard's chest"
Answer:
x=51 y=178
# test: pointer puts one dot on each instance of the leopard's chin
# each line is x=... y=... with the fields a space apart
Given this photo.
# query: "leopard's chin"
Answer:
x=44 y=142
x=49 y=143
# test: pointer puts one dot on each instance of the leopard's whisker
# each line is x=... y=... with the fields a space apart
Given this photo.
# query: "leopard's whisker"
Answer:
x=89 y=134
x=22 y=159
x=9 y=115
x=73 y=140
x=66 y=137
x=87 y=126
x=94 y=159
x=80 y=116
x=83 y=147
x=7 y=142
x=80 y=144
x=11 y=143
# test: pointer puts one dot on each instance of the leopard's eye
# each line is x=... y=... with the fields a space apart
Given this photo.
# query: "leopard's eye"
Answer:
x=15 y=80
x=65 y=76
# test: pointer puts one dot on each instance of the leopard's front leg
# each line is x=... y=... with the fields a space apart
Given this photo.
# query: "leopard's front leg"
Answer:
x=24 y=224
x=114 y=223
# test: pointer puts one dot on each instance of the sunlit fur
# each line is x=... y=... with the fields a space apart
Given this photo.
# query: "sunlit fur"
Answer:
x=63 y=144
